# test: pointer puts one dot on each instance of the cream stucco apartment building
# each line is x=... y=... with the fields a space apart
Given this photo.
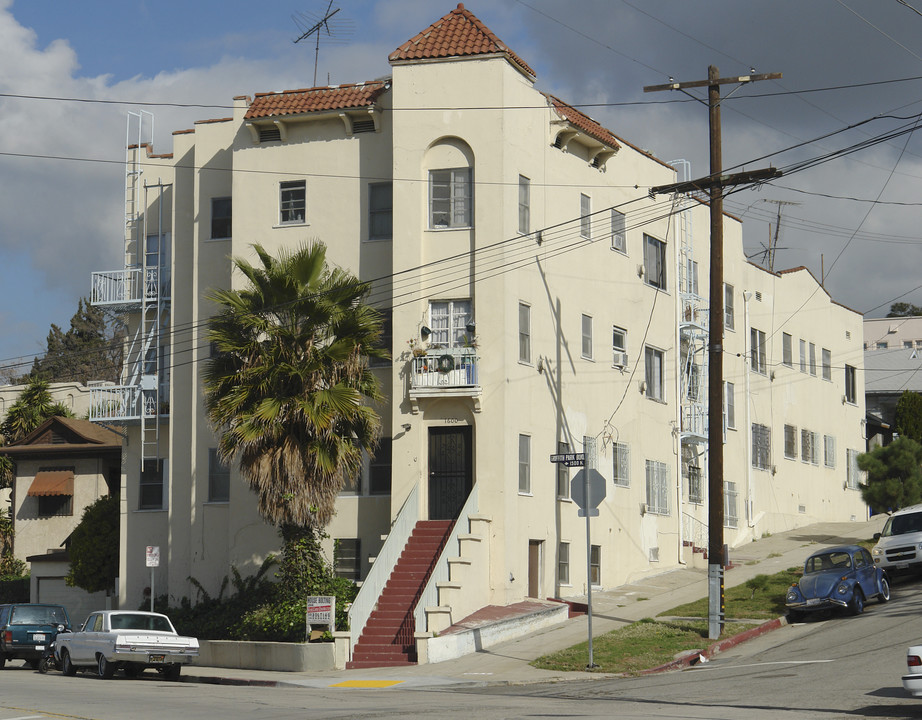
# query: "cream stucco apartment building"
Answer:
x=535 y=294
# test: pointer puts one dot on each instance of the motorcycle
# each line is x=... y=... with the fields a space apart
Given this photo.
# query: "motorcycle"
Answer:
x=48 y=660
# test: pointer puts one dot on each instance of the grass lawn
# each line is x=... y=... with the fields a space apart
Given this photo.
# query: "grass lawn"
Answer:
x=639 y=646
x=761 y=598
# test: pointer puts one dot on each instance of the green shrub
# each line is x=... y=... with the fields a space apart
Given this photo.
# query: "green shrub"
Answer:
x=14 y=589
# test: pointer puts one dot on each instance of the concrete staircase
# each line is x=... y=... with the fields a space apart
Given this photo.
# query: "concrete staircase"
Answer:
x=387 y=639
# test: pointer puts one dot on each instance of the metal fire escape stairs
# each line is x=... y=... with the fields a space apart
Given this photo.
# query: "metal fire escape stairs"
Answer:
x=693 y=355
x=140 y=291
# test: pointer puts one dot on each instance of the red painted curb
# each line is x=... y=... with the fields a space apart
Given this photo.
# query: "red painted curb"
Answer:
x=718 y=647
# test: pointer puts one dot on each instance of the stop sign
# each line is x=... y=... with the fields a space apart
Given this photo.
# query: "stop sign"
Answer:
x=596 y=489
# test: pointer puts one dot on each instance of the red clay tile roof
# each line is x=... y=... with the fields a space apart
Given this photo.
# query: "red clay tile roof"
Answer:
x=296 y=102
x=458 y=34
x=584 y=122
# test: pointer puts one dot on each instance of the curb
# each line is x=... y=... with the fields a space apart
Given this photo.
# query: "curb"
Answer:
x=694 y=657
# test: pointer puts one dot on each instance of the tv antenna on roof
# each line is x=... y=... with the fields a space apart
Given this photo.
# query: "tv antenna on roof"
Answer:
x=322 y=25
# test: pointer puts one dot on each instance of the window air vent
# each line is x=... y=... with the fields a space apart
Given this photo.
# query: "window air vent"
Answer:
x=363 y=126
x=557 y=142
x=758 y=296
x=802 y=509
x=270 y=134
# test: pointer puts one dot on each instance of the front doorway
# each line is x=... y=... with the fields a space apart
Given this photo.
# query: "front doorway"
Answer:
x=451 y=474
x=534 y=567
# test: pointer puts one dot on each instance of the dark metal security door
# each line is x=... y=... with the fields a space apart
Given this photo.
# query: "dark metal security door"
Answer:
x=450 y=472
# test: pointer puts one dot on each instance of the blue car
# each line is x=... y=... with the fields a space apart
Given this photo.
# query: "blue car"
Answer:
x=838 y=577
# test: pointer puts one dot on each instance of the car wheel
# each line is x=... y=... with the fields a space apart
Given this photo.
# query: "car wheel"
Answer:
x=173 y=672
x=856 y=604
x=45 y=664
x=884 y=595
x=67 y=667
x=105 y=668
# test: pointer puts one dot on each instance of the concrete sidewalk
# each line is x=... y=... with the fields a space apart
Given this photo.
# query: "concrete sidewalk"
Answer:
x=508 y=663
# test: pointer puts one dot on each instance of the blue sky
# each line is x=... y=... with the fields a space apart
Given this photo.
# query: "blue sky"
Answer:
x=857 y=217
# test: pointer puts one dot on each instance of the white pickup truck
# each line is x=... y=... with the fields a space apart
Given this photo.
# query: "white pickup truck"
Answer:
x=128 y=640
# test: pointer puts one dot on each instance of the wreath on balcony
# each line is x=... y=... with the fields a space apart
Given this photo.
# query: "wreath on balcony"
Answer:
x=446 y=364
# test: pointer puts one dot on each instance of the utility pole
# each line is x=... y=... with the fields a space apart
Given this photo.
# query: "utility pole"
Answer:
x=714 y=184
x=773 y=243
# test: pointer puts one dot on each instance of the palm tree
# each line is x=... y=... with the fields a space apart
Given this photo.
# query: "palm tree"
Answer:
x=289 y=387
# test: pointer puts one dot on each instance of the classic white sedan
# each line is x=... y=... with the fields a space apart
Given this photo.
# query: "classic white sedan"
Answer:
x=128 y=640
x=912 y=682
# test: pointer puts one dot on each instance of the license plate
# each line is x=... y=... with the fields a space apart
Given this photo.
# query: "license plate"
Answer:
x=38 y=637
x=813 y=601
x=156 y=658
x=39 y=647
x=902 y=566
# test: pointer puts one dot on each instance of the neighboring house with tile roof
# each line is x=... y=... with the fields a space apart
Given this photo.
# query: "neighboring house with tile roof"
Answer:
x=535 y=295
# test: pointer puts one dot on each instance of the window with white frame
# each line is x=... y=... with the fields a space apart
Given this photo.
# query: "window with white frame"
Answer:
x=218 y=478
x=563 y=563
x=829 y=451
x=586 y=336
x=827 y=364
x=595 y=564
x=221 y=218
x=621 y=464
x=787 y=350
x=292 y=202
x=448 y=321
x=151 y=487
x=653 y=374
x=618 y=230
x=757 y=351
x=851 y=380
x=809 y=446
x=380 y=211
x=525 y=464
x=618 y=346
x=691 y=280
x=813 y=359
x=853 y=473
x=761 y=447
x=729 y=315
x=729 y=406
x=790 y=442
x=450 y=198
x=803 y=356
x=695 y=489
x=657 y=476
x=731 y=496
x=524 y=205
x=563 y=473
x=524 y=333
x=654 y=262
x=585 y=216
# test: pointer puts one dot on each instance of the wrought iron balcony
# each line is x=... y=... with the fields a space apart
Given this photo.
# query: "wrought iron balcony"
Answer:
x=124 y=287
x=441 y=372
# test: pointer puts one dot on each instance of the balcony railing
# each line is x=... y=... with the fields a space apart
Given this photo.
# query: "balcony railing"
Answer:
x=442 y=368
x=121 y=287
x=123 y=403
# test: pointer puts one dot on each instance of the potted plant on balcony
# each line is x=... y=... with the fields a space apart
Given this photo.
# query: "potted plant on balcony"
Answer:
x=416 y=347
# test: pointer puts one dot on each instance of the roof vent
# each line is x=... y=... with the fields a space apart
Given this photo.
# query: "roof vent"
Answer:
x=270 y=134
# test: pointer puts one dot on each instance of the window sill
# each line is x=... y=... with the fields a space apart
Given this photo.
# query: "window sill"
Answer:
x=216 y=240
x=449 y=229
x=659 y=401
x=378 y=239
x=279 y=226
x=523 y=493
x=150 y=510
x=560 y=498
x=218 y=503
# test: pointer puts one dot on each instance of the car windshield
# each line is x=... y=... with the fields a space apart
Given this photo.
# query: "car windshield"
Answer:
x=902 y=524
x=38 y=615
x=828 y=561
x=131 y=621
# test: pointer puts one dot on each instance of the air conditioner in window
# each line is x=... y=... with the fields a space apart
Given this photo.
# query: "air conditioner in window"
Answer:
x=617 y=242
x=619 y=359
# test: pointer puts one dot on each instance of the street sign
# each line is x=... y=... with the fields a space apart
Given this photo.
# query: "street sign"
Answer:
x=596 y=492
x=152 y=555
x=569 y=459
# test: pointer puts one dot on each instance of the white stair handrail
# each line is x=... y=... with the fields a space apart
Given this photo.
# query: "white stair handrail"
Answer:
x=373 y=585
x=440 y=572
